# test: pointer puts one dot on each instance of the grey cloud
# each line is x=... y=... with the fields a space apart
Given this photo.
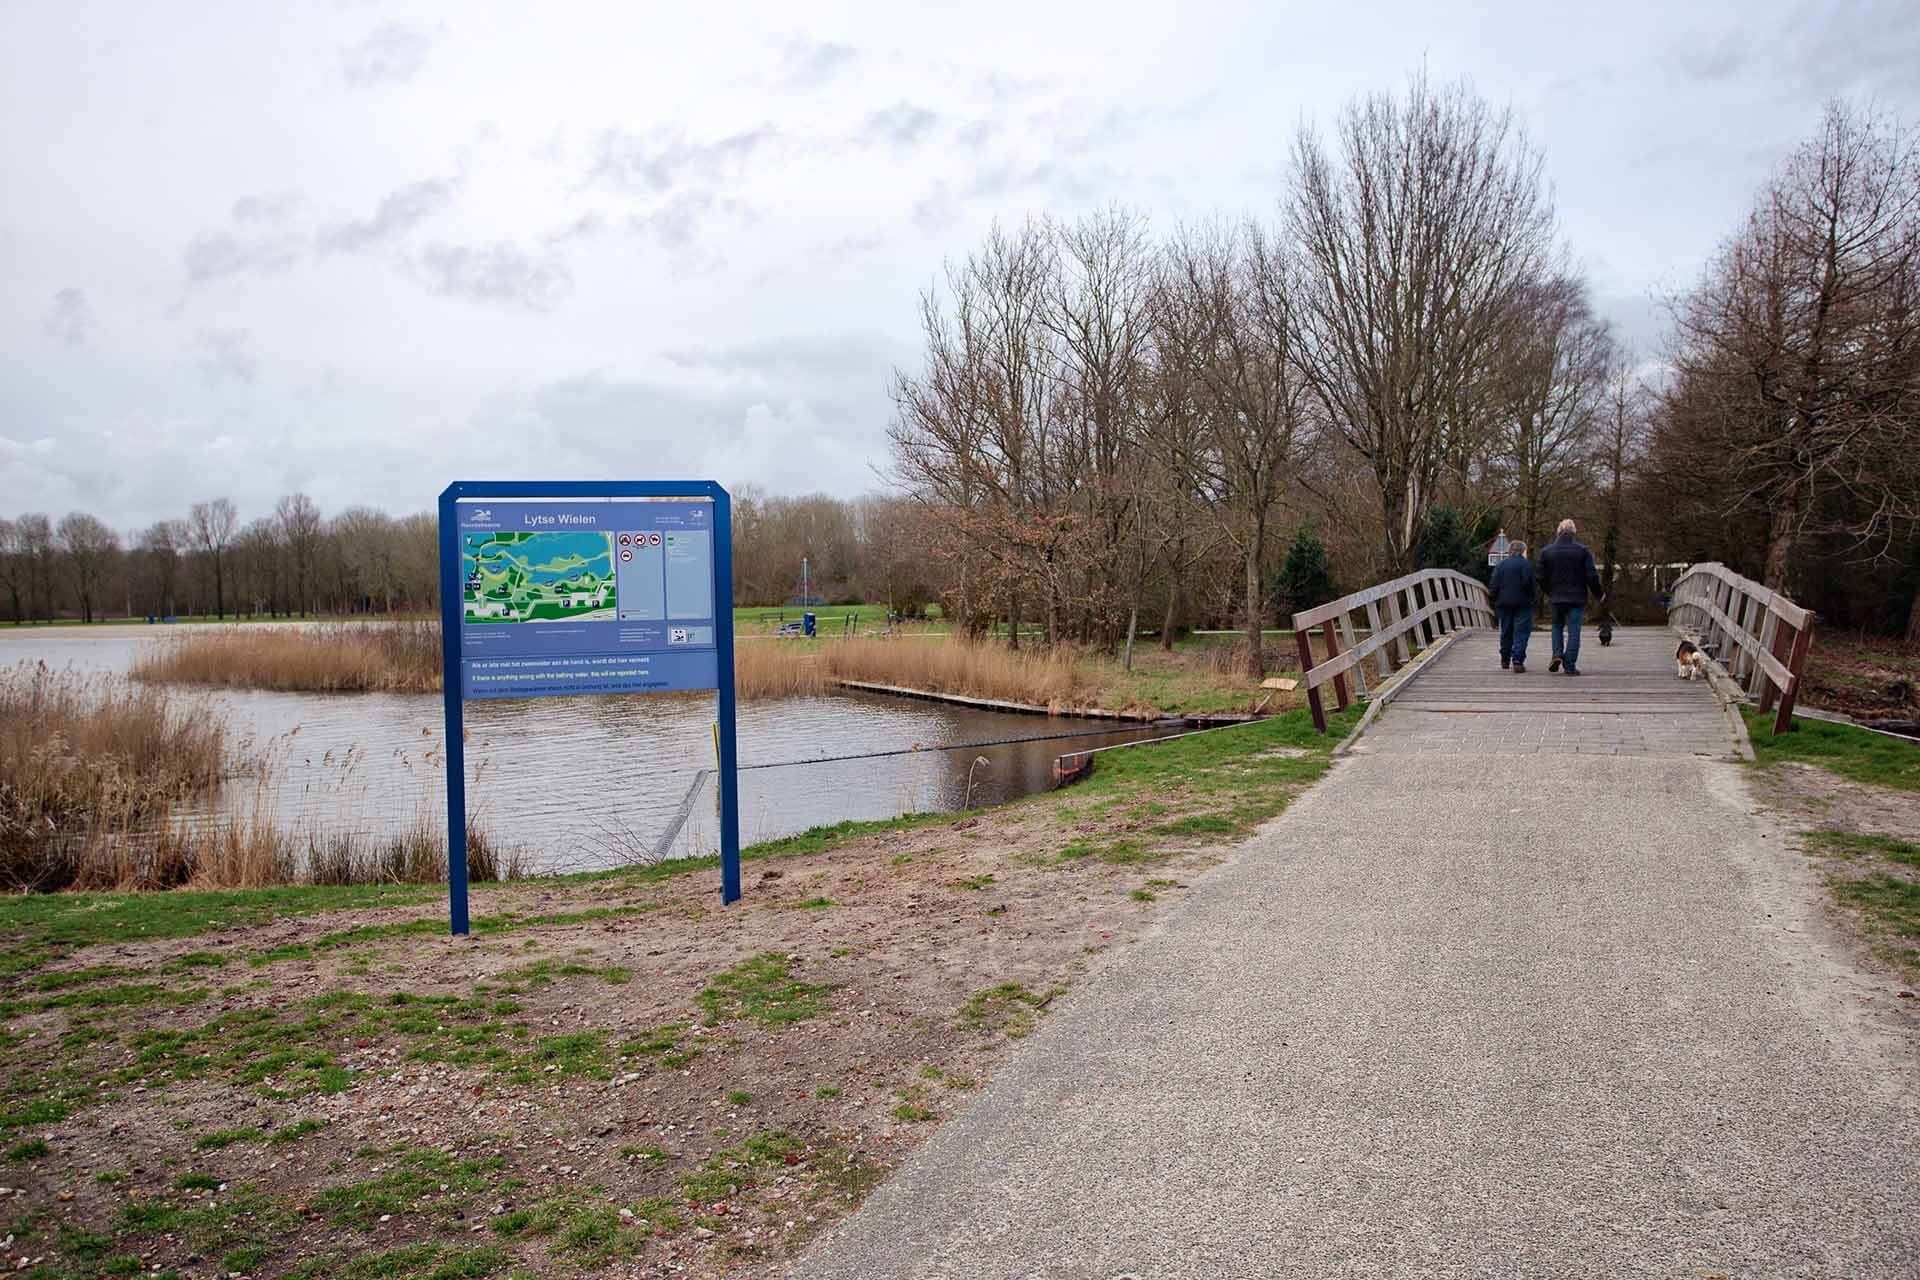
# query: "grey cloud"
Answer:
x=217 y=254
x=800 y=361
x=498 y=274
x=392 y=54
x=902 y=124
x=809 y=65
x=663 y=159
x=259 y=240
x=398 y=212
x=227 y=354
x=70 y=318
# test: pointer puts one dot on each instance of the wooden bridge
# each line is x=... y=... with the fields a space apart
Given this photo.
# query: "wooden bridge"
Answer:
x=1425 y=644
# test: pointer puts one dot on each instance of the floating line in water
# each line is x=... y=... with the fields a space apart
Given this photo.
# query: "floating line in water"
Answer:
x=965 y=746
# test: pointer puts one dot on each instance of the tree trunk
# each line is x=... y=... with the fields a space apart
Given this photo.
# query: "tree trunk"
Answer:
x=1013 y=621
x=1256 y=659
x=1133 y=625
x=1786 y=517
x=1173 y=607
x=219 y=592
x=1913 y=619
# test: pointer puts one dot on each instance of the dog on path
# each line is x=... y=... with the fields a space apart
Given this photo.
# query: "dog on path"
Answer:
x=1689 y=662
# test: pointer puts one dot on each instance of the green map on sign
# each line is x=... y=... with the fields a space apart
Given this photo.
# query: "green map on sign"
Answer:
x=541 y=576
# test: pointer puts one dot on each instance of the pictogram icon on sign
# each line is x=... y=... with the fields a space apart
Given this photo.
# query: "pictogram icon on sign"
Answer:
x=626 y=555
x=626 y=539
x=653 y=539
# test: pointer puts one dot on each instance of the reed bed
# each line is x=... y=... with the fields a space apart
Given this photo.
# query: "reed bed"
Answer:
x=974 y=669
x=100 y=781
x=331 y=657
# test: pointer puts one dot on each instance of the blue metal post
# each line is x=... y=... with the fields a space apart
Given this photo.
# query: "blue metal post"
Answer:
x=452 y=593
x=723 y=641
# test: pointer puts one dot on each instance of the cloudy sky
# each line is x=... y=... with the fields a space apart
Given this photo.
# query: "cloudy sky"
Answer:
x=363 y=248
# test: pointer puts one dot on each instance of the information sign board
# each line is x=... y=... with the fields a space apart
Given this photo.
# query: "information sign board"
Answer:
x=555 y=588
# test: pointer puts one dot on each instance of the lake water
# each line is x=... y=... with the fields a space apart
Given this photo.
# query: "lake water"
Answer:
x=582 y=783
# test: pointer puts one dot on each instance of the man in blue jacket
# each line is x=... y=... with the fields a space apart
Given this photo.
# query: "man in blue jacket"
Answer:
x=1567 y=574
x=1512 y=590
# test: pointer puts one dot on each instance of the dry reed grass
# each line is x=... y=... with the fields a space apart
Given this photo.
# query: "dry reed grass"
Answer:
x=975 y=669
x=332 y=657
x=95 y=773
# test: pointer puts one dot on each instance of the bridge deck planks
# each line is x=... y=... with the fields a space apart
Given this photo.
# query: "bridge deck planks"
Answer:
x=1626 y=700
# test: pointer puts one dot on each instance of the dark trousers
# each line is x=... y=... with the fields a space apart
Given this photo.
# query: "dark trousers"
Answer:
x=1515 y=626
x=1566 y=633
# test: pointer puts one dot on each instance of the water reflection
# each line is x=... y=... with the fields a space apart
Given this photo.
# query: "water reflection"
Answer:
x=588 y=782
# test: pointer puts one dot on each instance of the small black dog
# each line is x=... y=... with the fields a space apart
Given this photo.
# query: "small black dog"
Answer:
x=1606 y=628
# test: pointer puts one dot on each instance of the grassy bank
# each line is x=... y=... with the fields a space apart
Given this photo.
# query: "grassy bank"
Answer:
x=1871 y=758
x=613 y=1073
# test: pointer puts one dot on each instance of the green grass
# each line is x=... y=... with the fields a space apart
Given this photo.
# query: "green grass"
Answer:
x=727 y=1172
x=827 y=1092
x=220 y=1138
x=1851 y=752
x=23 y=1152
x=420 y=1181
x=762 y=990
x=1009 y=1008
x=1887 y=900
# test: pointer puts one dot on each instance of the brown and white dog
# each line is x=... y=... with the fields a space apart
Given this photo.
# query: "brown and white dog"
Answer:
x=1689 y=662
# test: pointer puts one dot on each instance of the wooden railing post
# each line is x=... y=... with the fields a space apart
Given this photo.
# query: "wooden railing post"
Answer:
x=1346 y=637
x=1781 y=647
x=1373 y=624
x=1333 y=651
x=1393 y=620
x=1802 y=641
x=1303 y=636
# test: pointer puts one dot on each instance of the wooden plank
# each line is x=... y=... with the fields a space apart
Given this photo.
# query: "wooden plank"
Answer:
x=1781 y=675
x=1331 y=667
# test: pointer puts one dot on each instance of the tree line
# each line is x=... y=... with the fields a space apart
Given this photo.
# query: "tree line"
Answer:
x=1116 y=428
x=290 y=562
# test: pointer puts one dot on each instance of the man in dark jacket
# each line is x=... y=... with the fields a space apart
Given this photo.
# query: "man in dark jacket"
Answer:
x=1567 y=573
x=1512 y=590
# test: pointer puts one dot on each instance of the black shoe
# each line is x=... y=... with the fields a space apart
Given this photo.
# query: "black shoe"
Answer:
x=1572 y=671
x=1519 y=668
x=1555 y=664
x=1504 y=664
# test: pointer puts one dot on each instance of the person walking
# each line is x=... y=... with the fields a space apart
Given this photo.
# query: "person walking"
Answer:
x=1512 y=587
x=1567 y=575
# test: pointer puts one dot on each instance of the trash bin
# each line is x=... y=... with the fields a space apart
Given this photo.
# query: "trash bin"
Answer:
x=807 y=622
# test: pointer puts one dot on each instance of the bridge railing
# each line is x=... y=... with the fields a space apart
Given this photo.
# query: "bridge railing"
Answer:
x=1401 y=618
x=1759 y=636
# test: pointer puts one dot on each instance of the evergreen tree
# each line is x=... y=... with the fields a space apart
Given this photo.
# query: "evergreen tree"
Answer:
x=1306 y=579
x=1444 y=541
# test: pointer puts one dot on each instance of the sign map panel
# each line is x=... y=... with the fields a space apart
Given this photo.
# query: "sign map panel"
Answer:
x=572 y=596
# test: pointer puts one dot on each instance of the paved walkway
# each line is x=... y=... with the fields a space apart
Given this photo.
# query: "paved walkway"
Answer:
x=1568 y=1015
x=1626 y=701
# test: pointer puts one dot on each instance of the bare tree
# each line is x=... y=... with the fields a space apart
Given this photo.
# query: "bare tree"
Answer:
x=1228 y=319
x=1417 y=230
x=33 y=534
x=1554 y=375
x=1798 y=349
x=160 y=547
x=300 y=524
x=13 y=567
x=213 y=523
x=90 y=547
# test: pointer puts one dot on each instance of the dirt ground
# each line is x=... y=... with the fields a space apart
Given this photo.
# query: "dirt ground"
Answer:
x=612 y=1077
x=1874 y=679
x=1855 y=834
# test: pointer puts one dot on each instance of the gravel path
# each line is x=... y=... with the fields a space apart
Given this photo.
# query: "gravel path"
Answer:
x=1547 y=1015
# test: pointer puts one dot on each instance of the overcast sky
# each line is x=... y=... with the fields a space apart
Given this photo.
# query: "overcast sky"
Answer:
x=365 y=248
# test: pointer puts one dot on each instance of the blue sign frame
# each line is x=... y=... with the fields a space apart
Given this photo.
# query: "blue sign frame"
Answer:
x=453 y=676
